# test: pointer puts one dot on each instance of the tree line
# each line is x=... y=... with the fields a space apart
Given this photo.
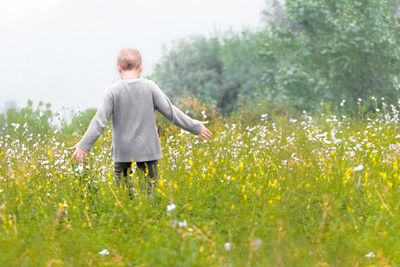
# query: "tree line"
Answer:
x=310 y=51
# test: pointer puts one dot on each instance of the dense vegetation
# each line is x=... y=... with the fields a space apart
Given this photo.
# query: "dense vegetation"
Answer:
x=312 y=191
x=311 y=51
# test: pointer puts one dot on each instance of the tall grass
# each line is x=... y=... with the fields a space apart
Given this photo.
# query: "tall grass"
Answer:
x=279 y=192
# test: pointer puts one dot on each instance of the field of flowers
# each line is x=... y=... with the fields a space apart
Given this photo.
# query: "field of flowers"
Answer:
x=281 y=192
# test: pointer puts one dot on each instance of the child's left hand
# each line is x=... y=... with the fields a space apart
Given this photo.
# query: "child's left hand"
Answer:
x=78 y=154
x=204 y=132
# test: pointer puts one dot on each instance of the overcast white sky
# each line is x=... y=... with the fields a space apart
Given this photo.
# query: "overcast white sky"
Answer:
x=64 y=51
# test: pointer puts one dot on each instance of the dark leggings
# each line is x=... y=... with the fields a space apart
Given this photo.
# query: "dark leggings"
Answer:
x=147 y=170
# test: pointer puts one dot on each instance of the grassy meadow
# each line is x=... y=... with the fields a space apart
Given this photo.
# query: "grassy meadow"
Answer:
x=310 y=191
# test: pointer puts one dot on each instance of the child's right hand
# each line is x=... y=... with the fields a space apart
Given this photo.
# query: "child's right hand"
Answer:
x=204 y=132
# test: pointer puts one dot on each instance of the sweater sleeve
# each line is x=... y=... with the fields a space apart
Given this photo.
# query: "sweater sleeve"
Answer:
x=98 y=123
x=172 y=113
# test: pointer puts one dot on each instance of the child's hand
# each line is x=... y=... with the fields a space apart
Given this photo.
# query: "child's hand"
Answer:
x=204 y=132
x=78 y=154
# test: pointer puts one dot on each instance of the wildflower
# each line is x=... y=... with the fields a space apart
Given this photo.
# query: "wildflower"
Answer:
x=79 y=168
x=370 y=255
x=104 y=252
x=241 y=165
x=264 y=116
x=227 y=246
x=358 y=168
x=182 y=224
x=256 y=243
x=348 y=172
x=171 y=207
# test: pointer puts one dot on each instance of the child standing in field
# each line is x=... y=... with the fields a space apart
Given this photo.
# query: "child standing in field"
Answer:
x=132 y=102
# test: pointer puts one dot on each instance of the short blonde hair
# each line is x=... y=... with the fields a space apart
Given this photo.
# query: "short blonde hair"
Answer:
x=129 y=59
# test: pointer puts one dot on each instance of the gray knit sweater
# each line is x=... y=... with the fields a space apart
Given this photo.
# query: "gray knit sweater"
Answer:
x=132 y=104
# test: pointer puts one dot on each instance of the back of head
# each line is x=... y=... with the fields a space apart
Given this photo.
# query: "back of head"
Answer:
x=129 y=59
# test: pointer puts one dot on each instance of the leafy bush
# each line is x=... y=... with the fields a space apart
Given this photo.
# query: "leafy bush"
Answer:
x=331 y=50
x=29 y=120
x=80 y=122
x=218 y=70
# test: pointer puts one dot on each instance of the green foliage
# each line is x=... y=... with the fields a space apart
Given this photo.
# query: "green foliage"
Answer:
x=29 y=120
x=80 y=122
x=311 y=51
x=218 y=70
x=331 y=50
x=249 y=112
x=3 y=124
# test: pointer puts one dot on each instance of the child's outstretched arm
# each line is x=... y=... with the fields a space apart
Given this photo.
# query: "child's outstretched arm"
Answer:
x=95 y=129
x=176 y=116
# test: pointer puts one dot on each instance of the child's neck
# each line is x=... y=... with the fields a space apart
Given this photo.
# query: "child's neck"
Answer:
x=130 y=75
